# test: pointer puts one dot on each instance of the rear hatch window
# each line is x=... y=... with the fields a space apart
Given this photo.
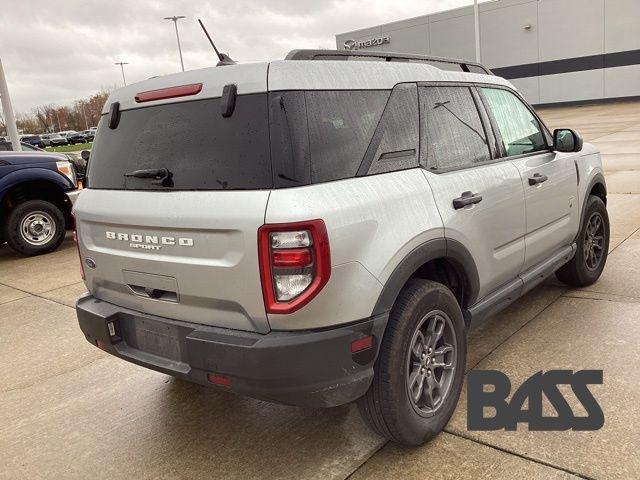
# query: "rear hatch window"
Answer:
x=202 y=149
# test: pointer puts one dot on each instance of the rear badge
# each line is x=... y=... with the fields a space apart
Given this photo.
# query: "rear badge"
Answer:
x=149 y=242
x=90 y=263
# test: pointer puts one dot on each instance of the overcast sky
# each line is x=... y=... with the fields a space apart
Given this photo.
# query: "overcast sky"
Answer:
x=59 y=51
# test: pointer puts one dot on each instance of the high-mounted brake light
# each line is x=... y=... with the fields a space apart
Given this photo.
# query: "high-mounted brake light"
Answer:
x=170 y=92
x=295 y=263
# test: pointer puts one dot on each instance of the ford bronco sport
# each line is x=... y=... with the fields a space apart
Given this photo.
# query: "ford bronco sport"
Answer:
x=315 y=231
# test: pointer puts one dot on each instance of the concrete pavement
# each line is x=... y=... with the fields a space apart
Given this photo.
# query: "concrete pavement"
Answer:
x=68 y=410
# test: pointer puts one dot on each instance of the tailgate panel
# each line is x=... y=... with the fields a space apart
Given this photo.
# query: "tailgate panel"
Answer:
x=203 y=245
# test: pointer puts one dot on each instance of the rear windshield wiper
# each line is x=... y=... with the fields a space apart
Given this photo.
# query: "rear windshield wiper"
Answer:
x=163 y=175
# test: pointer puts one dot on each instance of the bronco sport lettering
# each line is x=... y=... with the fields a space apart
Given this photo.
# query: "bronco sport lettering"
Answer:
x=149 y=239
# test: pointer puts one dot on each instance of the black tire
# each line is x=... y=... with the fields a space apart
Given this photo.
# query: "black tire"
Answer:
x=34 y=212
x=581 y=270
x=387 y=407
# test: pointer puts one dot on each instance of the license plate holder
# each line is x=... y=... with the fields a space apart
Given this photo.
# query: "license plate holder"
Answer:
x=161 y=340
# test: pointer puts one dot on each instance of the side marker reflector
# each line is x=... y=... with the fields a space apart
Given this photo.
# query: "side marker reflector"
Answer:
x=219 y=380
x=362 y=344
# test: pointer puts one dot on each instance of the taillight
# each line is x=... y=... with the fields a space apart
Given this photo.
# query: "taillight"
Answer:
x=77 y=240
x=295 y=263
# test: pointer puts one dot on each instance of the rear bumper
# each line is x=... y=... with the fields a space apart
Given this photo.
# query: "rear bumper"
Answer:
x=306 y=368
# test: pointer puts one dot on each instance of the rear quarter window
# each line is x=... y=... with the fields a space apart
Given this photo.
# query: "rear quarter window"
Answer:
x=321 y=136
x=341 y=124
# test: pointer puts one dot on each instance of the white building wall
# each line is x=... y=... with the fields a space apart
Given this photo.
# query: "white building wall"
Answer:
x=527 y=34
x=622 y=33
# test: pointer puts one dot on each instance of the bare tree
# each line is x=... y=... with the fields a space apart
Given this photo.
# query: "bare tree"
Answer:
x=26 y=123
x=45 y=115
x=46 y=118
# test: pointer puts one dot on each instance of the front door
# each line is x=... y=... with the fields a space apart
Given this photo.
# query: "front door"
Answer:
x=480 y=200
x=549 y=178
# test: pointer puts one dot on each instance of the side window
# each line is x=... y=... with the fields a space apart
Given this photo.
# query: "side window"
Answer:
x=519 y=128
x=341 y=124
x=289 y=139
x=394 y=145
x=452 y=133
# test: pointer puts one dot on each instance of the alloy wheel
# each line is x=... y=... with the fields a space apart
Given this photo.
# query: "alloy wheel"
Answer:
x=593 y=246
x=431 y=363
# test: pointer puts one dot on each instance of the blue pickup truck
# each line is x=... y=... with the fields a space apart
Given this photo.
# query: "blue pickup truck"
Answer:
x=37 y=191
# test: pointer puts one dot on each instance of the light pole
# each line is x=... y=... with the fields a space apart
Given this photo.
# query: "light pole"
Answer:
x=7 y=109
x=86 y=124
x=175 y=24
x=122 y=64
x=476 y=21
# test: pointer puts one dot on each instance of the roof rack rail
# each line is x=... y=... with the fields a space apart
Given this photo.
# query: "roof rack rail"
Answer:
x=439 y=62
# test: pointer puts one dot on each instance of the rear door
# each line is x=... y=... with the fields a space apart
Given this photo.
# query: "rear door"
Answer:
x=182 y=245
x=481 y=201
x=549 y=178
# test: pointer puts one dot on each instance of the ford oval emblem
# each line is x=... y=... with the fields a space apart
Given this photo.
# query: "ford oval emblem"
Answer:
x=90 y=263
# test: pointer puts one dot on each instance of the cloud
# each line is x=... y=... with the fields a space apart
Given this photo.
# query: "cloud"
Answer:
x=56 y=53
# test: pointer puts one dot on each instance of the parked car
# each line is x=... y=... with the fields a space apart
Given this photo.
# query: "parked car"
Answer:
x=78 y=162
x=89 y=135
x=37 y=191
x=358 y=218
x=34 y=140
x=76 y=137
x=46 y=139
x=5 y=146
x=56 y=140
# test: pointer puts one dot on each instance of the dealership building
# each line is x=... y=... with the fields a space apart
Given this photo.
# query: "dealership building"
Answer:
x=553 y=51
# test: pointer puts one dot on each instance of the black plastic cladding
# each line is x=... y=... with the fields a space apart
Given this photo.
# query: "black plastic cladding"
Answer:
x=114 y=115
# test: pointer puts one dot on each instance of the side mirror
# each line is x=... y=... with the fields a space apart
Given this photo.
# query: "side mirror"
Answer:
x=566 y=140
x=85 y=155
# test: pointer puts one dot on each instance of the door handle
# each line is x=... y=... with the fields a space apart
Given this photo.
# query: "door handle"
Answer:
x=467 y=198
x=537 y=178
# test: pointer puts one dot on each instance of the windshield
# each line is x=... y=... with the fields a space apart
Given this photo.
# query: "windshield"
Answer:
x=200 y=148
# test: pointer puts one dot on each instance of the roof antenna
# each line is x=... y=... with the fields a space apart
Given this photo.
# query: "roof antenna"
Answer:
x=223 y=57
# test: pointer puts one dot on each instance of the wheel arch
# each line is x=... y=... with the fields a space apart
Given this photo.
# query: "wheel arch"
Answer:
x=598 y=187
x=444 y=260
x=36 y=190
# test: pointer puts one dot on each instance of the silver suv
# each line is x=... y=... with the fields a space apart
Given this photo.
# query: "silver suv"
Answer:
x=315 y=231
